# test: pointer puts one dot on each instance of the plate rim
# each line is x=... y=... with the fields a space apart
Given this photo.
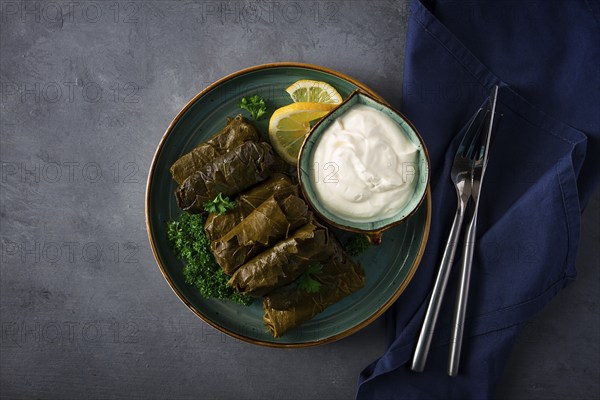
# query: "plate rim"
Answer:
x=189 y=305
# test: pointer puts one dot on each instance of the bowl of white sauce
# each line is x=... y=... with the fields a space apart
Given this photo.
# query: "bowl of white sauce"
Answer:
x=364 y=167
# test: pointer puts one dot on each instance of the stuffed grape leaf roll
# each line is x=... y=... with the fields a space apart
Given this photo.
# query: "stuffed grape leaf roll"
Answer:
x=290 y=306
x=274 y=219
x=229 y=174
x=285 y=261
x=217 y=225
x=237 y=131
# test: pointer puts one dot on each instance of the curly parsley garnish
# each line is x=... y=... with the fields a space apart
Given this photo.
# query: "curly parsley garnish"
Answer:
x=190 y=243
x=255 y=105
x=357 y=245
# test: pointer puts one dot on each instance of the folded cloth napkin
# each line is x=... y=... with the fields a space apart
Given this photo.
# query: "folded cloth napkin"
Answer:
x=543 y=168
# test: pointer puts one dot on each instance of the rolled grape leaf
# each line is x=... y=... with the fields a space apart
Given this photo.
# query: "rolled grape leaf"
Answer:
x=217 y=225
x=274 y=219
x=283 y=167
x=229 y=174
x=284 y=262
x=288 y=307
x=237 y=131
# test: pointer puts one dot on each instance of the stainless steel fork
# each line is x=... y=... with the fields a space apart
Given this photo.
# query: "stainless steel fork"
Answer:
x=461 y=175
x=478 y=172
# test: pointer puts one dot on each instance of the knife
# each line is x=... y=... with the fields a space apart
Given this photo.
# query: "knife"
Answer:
x=477 y=175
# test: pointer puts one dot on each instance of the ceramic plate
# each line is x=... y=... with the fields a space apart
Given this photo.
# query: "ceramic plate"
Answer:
x=388 y=267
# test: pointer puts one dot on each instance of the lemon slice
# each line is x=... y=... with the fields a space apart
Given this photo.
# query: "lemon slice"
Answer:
x=314 y=92
x=290 y=124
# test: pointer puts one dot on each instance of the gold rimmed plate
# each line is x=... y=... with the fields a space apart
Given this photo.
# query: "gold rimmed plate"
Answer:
x=388 y=267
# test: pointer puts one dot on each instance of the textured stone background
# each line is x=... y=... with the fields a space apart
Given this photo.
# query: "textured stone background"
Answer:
x=88 y=88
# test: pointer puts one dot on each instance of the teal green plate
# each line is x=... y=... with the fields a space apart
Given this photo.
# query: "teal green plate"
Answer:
x=388 y=267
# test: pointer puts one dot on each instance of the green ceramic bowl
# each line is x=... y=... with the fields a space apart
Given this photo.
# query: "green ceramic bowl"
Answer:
x=388 y=267
x=305 y=171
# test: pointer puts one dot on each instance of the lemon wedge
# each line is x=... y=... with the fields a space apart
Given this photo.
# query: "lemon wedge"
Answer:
x=313 y=92
x=289 y=125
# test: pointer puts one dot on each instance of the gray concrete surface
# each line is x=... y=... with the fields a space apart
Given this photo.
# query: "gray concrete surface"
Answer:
x=88 y=88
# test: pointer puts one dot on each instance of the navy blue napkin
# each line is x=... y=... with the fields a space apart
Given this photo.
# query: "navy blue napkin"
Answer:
x=543 y=168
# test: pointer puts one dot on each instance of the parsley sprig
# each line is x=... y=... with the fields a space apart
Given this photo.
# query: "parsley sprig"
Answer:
x=219 y=205
x=357 y=245
x=306 y=281
x=255 y=105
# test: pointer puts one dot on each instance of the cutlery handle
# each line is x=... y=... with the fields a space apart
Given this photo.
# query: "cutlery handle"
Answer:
x=435 y=303
x=460 y=308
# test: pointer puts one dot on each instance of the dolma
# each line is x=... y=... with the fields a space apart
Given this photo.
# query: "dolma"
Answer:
x=284 y=262
x=274 y=219
x=217 y=225
x=288 y=307
x=229 y=174
x=237 y=131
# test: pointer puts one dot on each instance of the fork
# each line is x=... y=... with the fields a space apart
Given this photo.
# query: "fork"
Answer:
x=460 y=310
x=461 y=174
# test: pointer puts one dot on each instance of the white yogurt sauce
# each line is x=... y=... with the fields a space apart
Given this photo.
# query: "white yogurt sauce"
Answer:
x=364 y=166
